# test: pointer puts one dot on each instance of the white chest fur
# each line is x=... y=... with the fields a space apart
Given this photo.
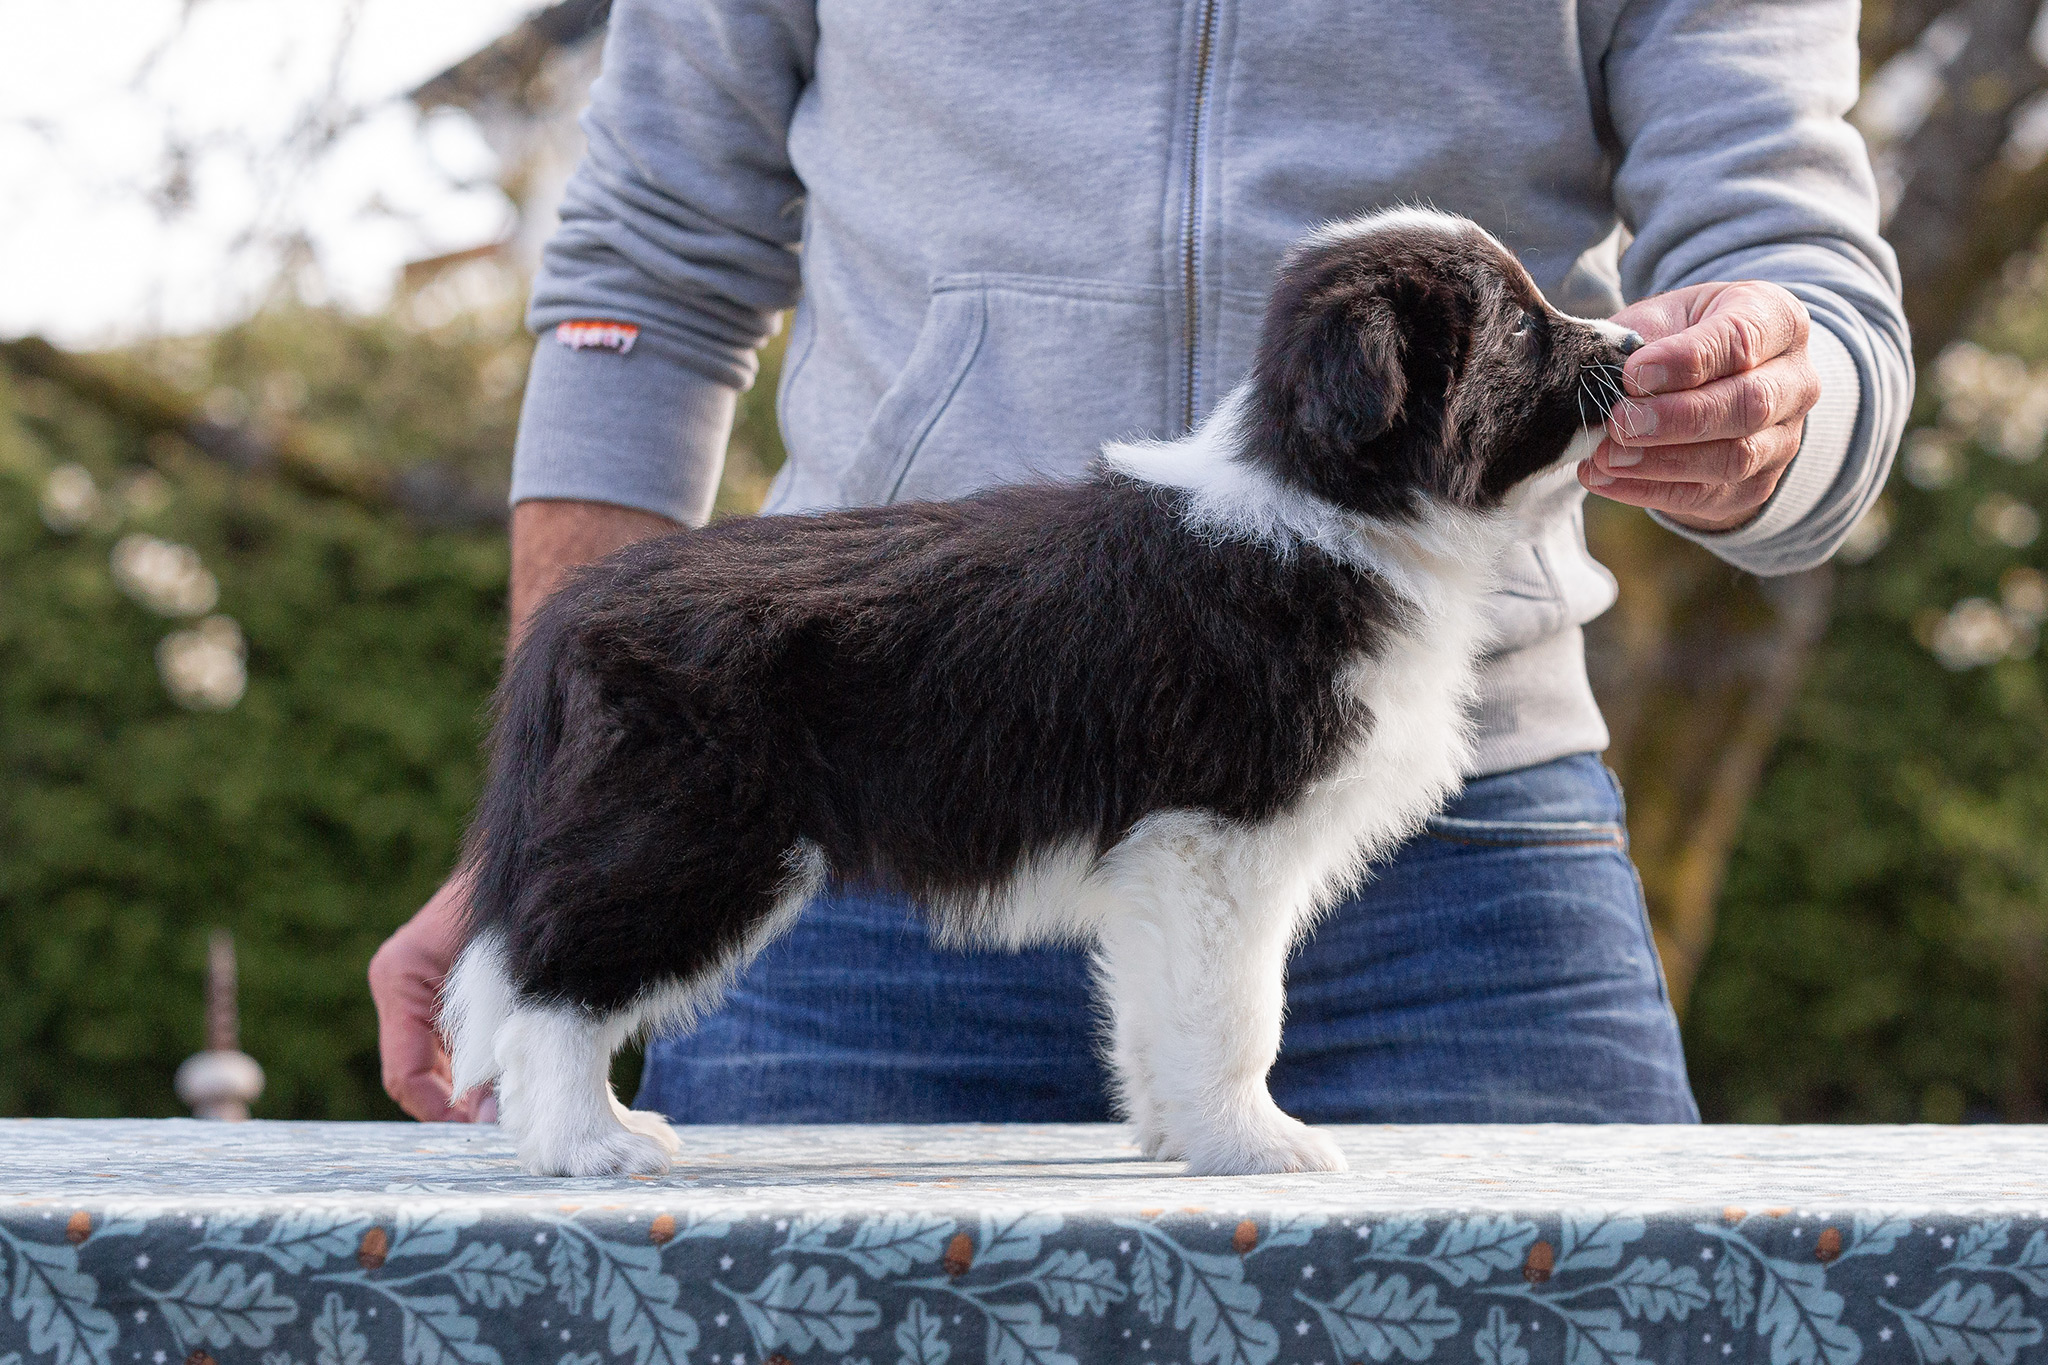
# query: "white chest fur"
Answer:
x=1417 y=690
x=1412 y=755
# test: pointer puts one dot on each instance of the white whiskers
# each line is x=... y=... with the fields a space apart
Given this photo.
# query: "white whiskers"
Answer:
x=1610 y=393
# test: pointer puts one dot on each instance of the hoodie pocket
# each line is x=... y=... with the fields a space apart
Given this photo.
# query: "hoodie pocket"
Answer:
x=1014 y=377
x=1548 y=581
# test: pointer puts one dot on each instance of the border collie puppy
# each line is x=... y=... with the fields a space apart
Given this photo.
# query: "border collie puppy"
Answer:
x=1171 y=711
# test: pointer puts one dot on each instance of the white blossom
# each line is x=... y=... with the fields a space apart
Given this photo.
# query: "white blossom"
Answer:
x=1869 y=533
x=1932 y=460
x=70 y=498
x=143 y=493
x=204 y=668
x=1973 y=633
x=2024 y=593
x=2007 y=520
x=167 y=578
x=1993 y=398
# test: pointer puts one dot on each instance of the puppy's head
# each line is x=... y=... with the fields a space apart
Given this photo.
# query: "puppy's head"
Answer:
x=1408 y=352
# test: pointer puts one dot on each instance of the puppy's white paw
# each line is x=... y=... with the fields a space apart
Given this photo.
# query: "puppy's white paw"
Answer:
x=616 y=1152
x=1154 y=1144
x=612 y=1141
x=649 y=1124
x=1279 y=1145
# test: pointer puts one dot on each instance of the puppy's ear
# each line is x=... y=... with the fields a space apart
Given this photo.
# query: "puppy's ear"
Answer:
x=1331 y=380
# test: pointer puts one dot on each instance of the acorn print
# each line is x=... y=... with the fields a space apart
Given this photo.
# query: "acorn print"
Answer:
x=370 y=1252
x=777 y=1359
x=1245 y=1238
x=662 y=1230
x=78 y=1227
x=200 y=1358
x=1733 y=1215
x=959 y=1257
x=1537 y=1268
x=1829 y=1246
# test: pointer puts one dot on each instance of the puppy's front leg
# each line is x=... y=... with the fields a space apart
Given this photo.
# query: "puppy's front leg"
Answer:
x=1128 y=944
x=1201 y=968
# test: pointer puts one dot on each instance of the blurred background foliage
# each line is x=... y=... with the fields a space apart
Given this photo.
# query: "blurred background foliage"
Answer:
x=253 y=606
x=305 y=817
x=322 y=806
x=1879 y=948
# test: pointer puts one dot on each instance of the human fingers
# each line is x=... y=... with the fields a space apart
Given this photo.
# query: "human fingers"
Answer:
x=1709 y=462
x=405 y=981
x=1663 y=315
x=1730 y=329
x=1702 y=506
x=1730 y=409
x=1705 y=506
x=415 y=1066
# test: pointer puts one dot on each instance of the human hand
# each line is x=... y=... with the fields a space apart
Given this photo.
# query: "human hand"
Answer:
x=405 y=983
x=1715 y=403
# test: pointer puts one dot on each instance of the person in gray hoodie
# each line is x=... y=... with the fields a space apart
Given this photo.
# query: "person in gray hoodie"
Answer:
x=1011 y=233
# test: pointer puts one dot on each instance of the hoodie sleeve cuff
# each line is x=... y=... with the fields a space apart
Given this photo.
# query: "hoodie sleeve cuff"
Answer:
x=1823 y=449
x=635 y=427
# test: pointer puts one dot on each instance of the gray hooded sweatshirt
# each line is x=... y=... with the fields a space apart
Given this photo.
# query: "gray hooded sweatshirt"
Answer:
x=1013 y=232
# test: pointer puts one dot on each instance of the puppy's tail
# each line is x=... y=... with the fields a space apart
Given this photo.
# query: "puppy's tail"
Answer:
x=537 y=703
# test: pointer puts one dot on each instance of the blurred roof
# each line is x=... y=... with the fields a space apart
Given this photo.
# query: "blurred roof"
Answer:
x=506 y=69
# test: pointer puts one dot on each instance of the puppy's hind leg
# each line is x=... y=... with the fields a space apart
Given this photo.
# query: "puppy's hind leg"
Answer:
x=552 y=1065
x=626 y=855
x=554 y=1049
x=555 y=1096
x=476 y=1000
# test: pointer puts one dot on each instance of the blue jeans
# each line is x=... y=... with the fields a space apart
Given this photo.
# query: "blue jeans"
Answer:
x=1498 y=970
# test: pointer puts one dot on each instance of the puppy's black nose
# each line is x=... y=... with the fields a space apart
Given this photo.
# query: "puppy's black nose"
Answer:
x=1631 y=343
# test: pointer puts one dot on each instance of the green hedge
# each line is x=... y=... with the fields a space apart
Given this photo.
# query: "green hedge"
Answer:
x=1878 y=951
x=322 y=809
x=310 y=819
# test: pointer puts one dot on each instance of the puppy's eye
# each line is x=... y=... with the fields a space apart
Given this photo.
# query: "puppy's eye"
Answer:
x=1528 y=325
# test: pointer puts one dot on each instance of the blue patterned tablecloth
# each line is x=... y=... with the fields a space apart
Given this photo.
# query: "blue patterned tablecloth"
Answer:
x=347 y=1244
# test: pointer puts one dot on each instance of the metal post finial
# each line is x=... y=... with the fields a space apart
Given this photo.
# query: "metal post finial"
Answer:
x=222 y=1026
x=223 y=1081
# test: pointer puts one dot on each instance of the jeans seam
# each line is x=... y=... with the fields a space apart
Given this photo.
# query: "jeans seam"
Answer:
x=1607 y=841
x=1620 y=805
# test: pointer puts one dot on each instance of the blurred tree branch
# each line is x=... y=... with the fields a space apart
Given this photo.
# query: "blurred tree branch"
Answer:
x=1962 y=210
x=1892 y=26
x=291 y=452
x=1696 y=667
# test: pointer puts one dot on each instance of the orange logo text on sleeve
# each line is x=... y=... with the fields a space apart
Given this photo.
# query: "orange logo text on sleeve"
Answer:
x=591 y=333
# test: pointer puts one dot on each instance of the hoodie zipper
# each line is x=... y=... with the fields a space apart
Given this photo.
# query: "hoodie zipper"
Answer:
x=1191 y=218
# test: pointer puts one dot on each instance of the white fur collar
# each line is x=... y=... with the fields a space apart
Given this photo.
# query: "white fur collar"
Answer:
x=1426 y=560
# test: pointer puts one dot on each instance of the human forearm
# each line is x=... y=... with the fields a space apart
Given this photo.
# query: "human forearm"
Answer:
x=1738 y=165
x=635 y=430
x=677 y=249
x=550 y=536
